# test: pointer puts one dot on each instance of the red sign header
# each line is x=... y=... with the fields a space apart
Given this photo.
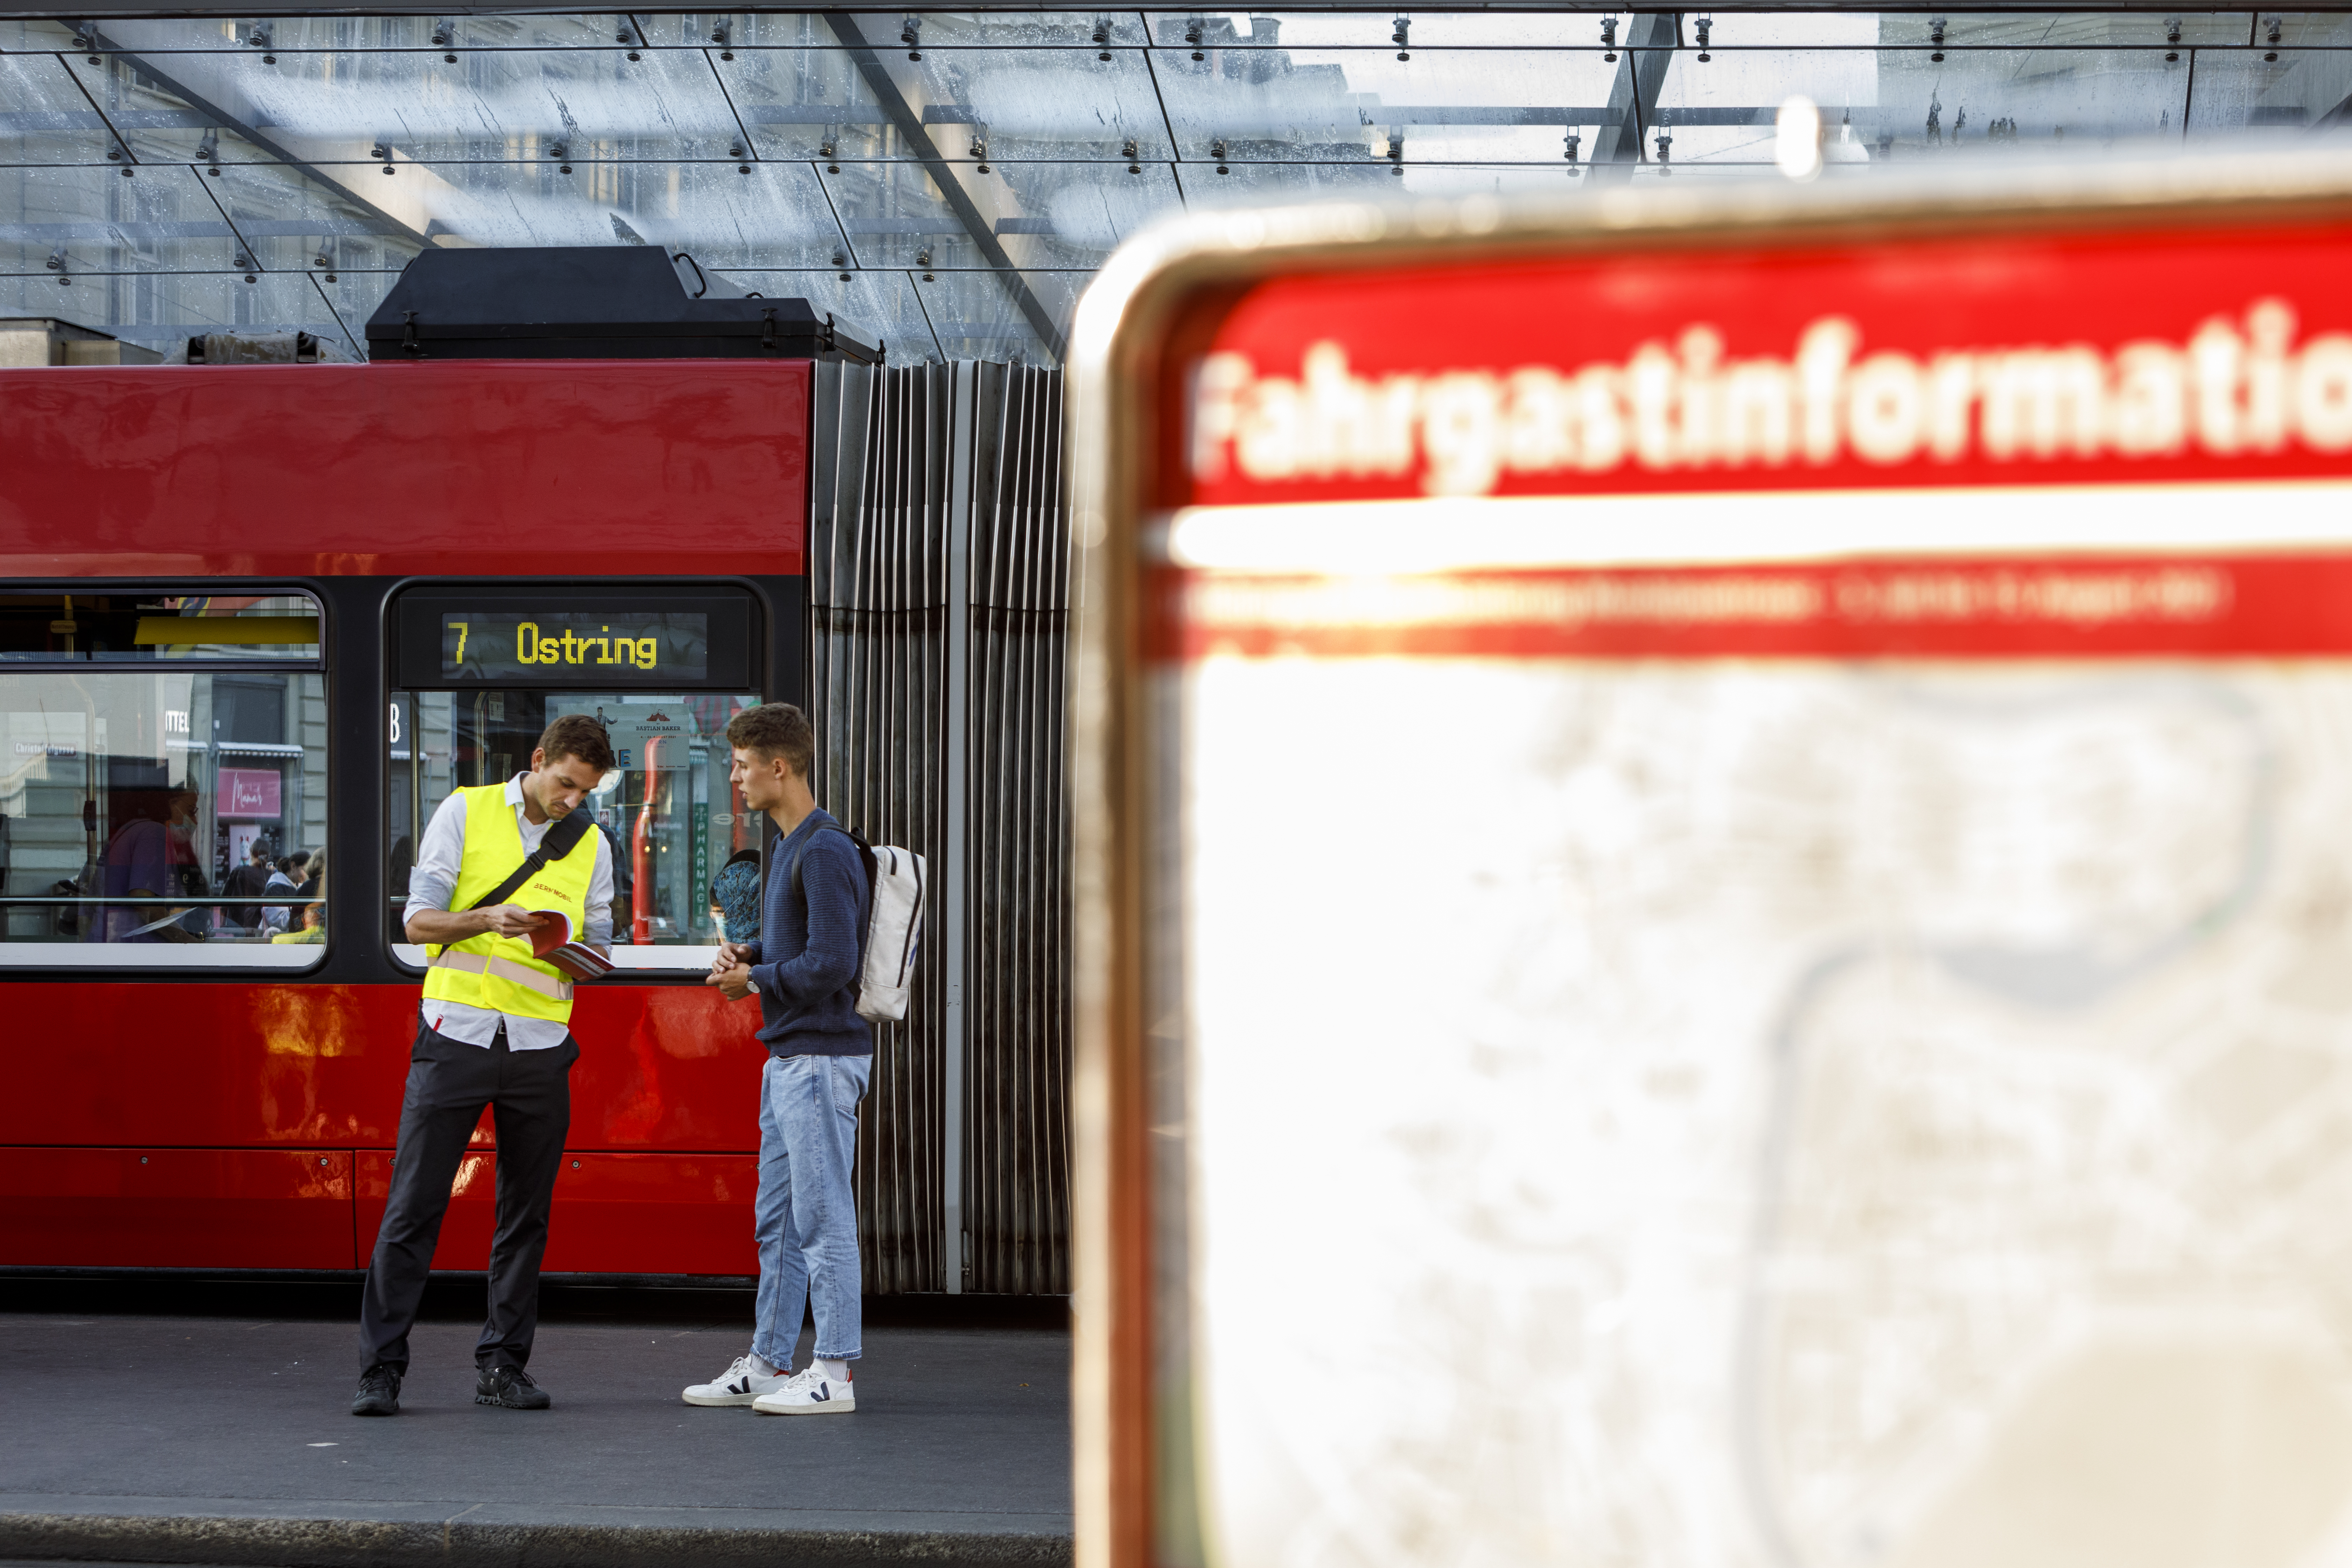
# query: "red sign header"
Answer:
x=2106 y=359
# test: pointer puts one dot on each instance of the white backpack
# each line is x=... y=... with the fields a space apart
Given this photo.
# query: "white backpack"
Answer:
x=894 y=930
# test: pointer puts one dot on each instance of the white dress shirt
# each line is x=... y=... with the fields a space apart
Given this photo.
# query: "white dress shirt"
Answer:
x=435 y=877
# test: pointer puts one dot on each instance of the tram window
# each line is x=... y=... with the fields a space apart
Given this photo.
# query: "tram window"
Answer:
x=667 y=811
x=143 y=813
x=142 y=628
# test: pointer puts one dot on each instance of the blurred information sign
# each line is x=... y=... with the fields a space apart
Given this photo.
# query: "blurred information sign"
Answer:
x=1716 y=836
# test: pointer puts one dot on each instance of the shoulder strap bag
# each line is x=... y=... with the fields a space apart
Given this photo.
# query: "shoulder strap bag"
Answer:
x=562 y=838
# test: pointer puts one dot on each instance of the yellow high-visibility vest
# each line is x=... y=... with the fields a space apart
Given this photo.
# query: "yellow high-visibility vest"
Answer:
x=499 y=972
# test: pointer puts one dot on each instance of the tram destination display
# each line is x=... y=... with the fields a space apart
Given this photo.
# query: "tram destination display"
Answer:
x=1817 y=1031
x=560 y=640
x=481 y=645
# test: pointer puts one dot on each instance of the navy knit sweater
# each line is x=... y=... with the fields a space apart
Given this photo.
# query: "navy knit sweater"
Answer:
x=804 y=965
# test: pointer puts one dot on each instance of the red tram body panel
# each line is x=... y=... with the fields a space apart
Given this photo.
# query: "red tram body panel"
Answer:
x=629 y=469
x=208 y=1115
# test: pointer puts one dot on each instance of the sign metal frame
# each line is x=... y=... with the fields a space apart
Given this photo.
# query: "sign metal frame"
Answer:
x=1121 y=343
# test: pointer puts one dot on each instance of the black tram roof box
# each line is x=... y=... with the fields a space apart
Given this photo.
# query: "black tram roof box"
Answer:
x=614 y=301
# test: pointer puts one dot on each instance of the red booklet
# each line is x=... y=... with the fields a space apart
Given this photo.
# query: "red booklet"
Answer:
x=552 y=941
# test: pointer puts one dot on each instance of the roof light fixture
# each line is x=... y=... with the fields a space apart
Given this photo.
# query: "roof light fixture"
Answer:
x=1705 y=26
x=2173 y=36
x=1797 y=138
x=1608 y=38
x=1936 y=36
x=1403 y=26
x=911 y=33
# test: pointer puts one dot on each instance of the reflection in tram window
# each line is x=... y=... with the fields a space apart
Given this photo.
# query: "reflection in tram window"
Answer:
x=137 y=807
x=666 y=810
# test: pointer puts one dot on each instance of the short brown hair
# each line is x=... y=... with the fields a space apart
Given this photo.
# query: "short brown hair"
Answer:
x=578 y=735
x=776 y=730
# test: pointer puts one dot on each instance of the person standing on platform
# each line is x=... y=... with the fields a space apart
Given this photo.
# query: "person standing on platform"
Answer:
x=286 y=874
x=494 y=1030
x=804 y=966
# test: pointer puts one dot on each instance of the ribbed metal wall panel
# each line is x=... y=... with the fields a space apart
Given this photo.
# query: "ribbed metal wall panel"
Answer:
x=1017 y=994
x=883 y=527
x=877 y=658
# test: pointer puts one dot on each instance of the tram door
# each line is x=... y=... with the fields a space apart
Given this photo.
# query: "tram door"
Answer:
x=482 y=673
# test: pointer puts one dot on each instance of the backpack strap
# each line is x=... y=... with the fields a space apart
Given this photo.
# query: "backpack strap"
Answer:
x=864 y=850
x=562 y=839
x=865 y=854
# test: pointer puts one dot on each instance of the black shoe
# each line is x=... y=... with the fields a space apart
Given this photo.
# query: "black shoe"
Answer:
x=509 y=1388
x=379 y=1393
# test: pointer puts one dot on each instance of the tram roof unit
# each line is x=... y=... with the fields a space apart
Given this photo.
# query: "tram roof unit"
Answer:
x=609 y=301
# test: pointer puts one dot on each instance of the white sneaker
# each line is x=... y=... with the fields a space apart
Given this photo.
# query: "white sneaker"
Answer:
x=738 y=1385
x=807 y=1392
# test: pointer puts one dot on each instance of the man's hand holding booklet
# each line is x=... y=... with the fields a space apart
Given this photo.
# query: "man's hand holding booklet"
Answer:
x=551 y=941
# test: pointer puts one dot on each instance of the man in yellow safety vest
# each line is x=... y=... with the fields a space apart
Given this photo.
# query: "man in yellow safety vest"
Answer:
x=498 y=864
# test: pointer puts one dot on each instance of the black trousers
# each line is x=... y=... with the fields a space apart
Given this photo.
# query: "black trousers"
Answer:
x=449 y=1081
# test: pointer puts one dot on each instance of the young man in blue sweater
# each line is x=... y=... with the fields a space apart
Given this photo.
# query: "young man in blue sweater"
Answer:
x=820 y=1057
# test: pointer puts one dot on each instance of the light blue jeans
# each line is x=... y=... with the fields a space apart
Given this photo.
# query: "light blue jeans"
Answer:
x=805 y=1217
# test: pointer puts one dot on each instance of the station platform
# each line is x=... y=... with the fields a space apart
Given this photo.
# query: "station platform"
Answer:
x=223 y=1437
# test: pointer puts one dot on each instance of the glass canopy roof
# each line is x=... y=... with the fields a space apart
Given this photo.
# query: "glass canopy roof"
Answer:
x=948 y=181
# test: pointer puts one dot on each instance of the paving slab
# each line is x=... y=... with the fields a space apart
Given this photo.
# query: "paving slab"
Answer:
x=228 y=1441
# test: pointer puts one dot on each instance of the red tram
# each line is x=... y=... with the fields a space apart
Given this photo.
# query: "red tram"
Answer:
x=250 y=611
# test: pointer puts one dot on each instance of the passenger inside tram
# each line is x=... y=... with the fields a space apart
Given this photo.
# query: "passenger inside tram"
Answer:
x=311 y=922
x=149 y=859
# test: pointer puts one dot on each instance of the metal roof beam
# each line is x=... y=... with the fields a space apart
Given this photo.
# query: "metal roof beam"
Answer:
x=909 y=126
x=241 y=124
x=1642 y=58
